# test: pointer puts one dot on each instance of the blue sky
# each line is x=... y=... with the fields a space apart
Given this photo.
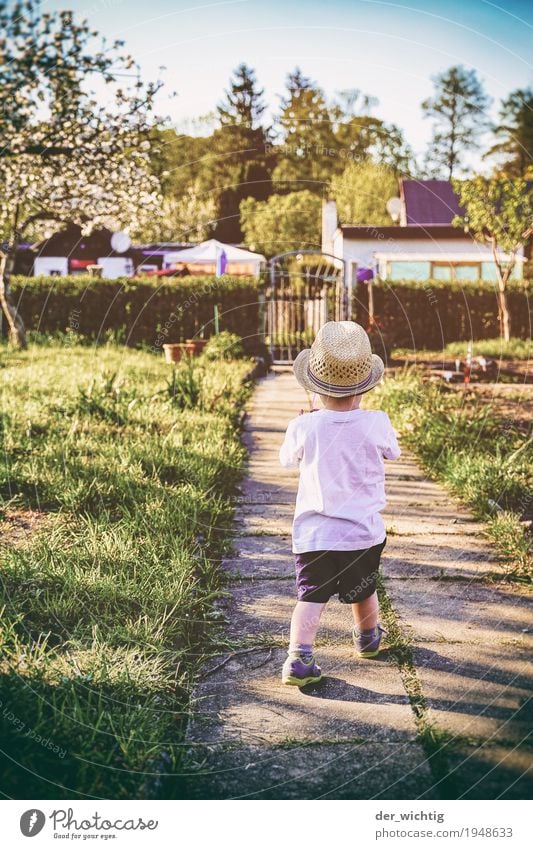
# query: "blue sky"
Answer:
x=386 y=49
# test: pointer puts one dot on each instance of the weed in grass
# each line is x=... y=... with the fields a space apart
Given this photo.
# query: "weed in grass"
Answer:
x=107 y=398
x=184 y=386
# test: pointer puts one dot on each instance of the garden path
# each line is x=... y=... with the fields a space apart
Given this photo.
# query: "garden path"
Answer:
x=442 y=713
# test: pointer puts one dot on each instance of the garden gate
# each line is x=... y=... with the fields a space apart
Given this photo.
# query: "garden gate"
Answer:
x=304 y=289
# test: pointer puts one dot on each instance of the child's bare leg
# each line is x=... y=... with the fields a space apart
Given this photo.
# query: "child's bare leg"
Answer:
x=304 y=625
x=366 y=613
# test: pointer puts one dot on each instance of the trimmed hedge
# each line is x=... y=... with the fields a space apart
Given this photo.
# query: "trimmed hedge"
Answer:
x=429 y=314
x=150 y=311
x=146 y=310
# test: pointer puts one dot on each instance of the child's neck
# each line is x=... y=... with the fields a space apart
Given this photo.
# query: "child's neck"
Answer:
x=352 y=402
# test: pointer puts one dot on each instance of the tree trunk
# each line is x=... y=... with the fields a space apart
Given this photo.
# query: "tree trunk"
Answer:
x=503 y=277
x=17 y=334
x=503 y=312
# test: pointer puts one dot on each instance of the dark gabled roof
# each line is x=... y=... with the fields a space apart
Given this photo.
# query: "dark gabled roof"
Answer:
x=70 y=242
x=429 y=201
x=412 y=231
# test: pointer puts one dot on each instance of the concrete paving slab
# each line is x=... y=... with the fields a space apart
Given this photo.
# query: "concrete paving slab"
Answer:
x=260 y=606
x=462 y=612
x=244 y=700
x=439 y=555
x=359 y=770
x=255 y=491
x=401 y=524
x=268 y=526
x=267 y=511
x=259 y=557
x=480 y=691
x=489 y=771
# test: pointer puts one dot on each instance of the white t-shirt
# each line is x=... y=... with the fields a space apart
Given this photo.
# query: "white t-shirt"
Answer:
x=342 y=478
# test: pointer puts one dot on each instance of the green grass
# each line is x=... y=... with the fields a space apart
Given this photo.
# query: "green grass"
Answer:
x=108 y=605
x=482 y=458
x=514 y=349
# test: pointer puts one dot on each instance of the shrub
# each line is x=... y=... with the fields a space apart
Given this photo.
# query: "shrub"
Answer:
x=225 y=346
x=432 y=313
x=137 y=311
x=148 y=312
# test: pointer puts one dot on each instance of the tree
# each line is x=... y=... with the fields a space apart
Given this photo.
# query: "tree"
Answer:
x=243 y=105
x=515 y=134
x=308 y=150
x=183 y=164
x=458 y=109
x=282 y=223
x=63 y=157
x=188 y=217
x=239 y=164
x=362 y=192
x=360 y=136
x=498 y=212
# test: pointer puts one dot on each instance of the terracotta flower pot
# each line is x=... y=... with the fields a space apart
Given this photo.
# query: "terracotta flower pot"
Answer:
x=174 y=352
x=195 y=346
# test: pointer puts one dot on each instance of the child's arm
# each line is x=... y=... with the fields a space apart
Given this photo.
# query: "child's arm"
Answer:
x=391 y=449
x=290 y=452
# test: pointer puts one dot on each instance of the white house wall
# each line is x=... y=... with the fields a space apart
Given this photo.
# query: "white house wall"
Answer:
x=361 y=251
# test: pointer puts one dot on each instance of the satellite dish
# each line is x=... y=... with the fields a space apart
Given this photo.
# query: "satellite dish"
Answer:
x=394 y=207
x=120 y=242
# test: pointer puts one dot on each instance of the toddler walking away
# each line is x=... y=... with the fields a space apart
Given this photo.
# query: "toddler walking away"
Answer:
x=338 y=532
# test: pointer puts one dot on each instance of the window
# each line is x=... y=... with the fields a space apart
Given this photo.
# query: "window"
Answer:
x=441 y=271
x=471 y=271
x=488 y=271
x=455 y=270
x=404 y=270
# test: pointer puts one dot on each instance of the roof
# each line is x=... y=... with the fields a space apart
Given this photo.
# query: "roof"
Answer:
x=412 y=231
x=429 y=201
x=70 y=242
x=209 y=251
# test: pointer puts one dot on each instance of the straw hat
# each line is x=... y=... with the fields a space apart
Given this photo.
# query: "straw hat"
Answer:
x=340 y=361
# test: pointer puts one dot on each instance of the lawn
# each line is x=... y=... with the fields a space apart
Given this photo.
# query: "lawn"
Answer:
x=483 y=458
x=497 y=349
x=117 y=489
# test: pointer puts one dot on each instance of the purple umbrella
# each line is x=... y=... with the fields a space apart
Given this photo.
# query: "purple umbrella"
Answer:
x=363 y=274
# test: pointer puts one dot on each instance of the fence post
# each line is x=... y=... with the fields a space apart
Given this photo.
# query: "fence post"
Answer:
x=261 y=312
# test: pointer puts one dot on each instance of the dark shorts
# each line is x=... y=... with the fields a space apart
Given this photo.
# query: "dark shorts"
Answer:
x=351 y=574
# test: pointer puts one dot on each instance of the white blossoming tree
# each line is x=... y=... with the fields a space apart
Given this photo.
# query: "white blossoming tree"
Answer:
x=66 y=155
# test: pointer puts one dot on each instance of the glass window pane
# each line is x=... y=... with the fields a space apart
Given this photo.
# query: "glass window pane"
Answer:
x=467 y=272
x=442 y=272
x=405 y=270
x=488 y=271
